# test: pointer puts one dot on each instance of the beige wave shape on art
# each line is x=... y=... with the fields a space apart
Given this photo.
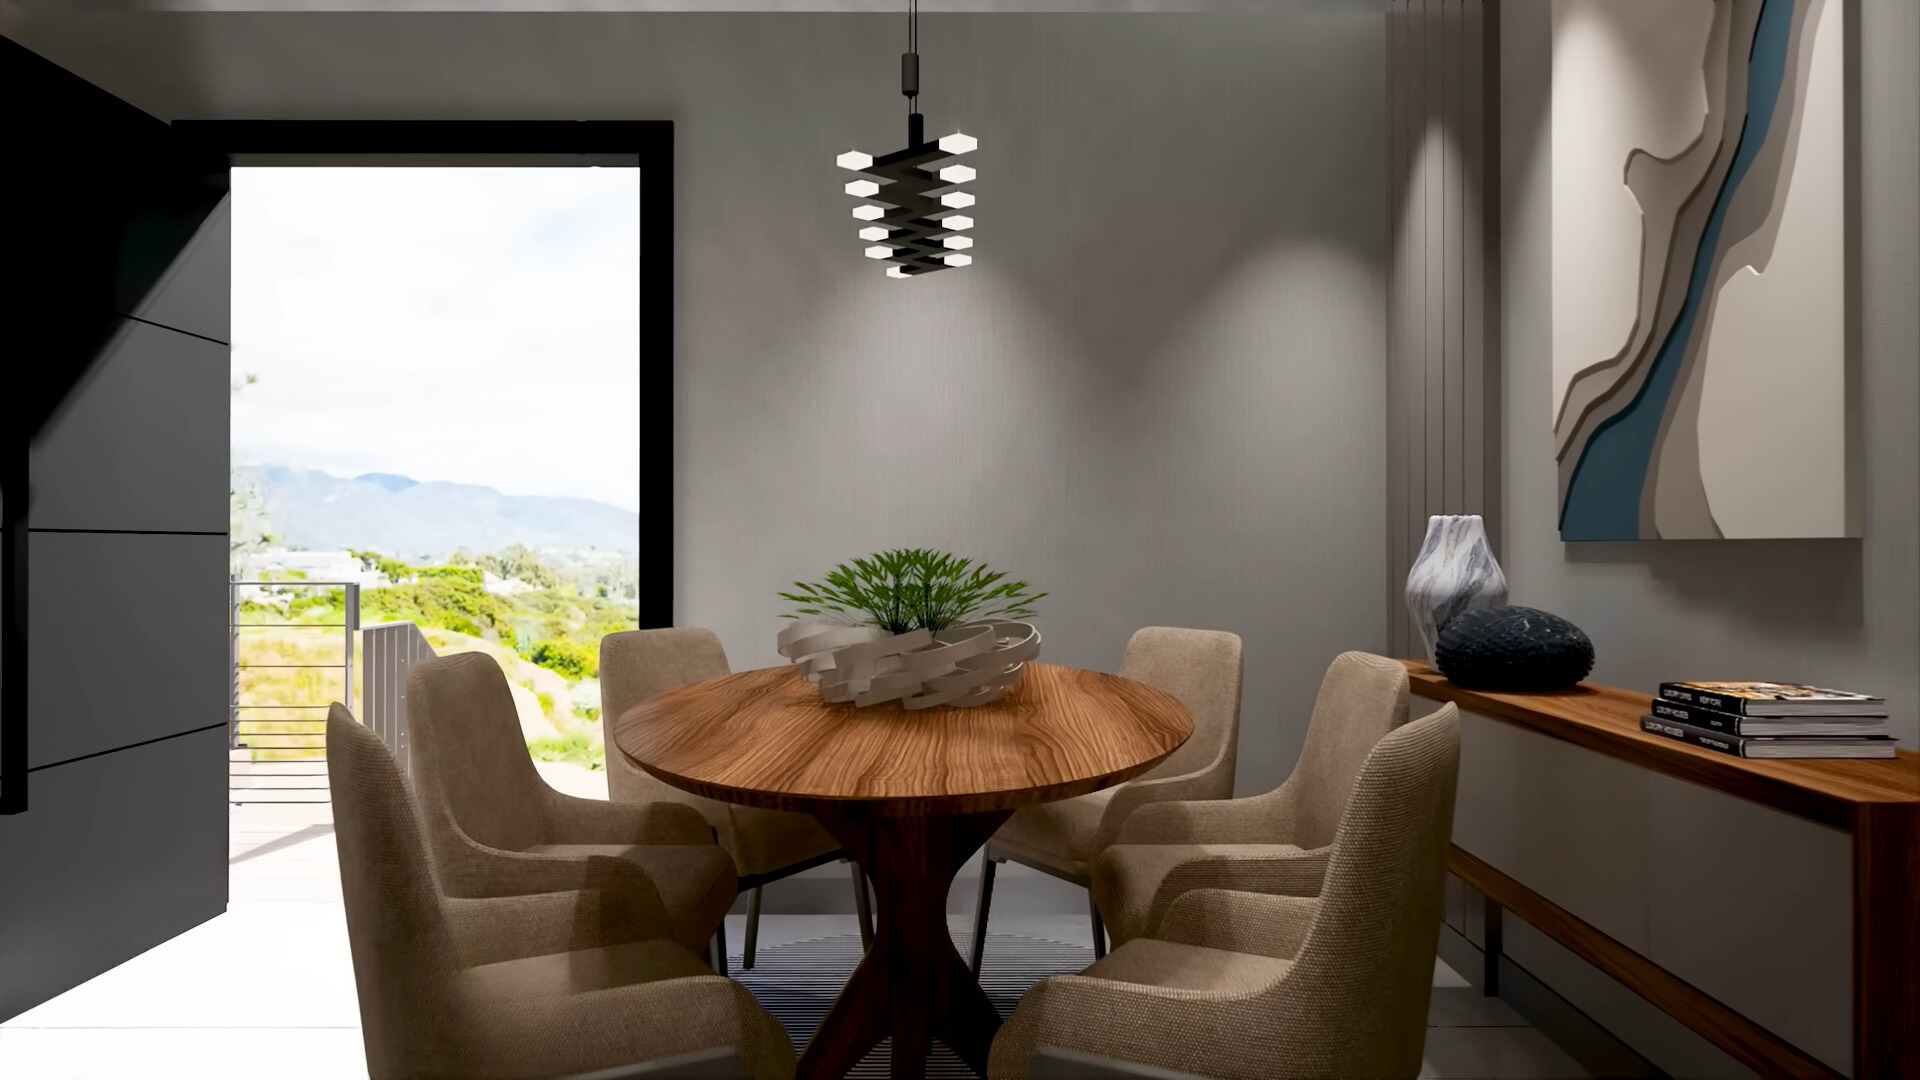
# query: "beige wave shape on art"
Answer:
x=1675 y=197
x=1676 y=501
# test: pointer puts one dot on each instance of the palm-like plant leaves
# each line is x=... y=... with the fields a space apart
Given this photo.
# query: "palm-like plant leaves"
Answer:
x=911 y=589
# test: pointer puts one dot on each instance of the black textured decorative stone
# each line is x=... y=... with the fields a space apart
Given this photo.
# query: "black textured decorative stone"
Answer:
x=1513 y=648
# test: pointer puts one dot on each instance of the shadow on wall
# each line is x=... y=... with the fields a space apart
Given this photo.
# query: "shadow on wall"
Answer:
x=1798 y=588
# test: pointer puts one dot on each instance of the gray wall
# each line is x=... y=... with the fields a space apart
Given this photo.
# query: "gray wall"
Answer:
x=1158 y=394
x=1837 y=612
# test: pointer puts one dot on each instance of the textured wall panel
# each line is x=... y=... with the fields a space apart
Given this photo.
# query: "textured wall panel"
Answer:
x=1442 y=368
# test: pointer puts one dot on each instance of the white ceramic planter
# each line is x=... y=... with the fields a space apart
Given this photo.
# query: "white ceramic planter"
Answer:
x=1454 y=572
x=970 y=664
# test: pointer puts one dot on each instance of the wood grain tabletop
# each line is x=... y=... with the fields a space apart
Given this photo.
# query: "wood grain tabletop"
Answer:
x=764 y=738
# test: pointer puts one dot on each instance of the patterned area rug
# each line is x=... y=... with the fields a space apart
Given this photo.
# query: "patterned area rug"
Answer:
x=798 y=982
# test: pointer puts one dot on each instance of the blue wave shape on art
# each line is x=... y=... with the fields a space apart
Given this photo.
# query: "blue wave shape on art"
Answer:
x=1603 y=496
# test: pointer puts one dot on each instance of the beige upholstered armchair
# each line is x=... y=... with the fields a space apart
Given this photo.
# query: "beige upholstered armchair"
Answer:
x=766 y=845
x=558 y=983
x=496 y=828
x=1272 y=843
x=1246 y=985
x=1203 y=669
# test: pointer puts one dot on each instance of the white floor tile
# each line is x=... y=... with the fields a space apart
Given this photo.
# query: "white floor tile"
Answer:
x=306 y=1053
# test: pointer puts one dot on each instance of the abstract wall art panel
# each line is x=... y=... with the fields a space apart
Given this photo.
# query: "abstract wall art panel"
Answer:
x=1700 y=309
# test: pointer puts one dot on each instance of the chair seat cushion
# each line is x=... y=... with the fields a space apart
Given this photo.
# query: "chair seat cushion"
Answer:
x=584 y=970
x=696 y=881
x=768 y=841
x=1188 y=967
x=1060 y=836
x=1131 y=888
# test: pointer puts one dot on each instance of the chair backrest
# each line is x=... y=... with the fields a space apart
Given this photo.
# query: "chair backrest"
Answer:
x=471 y=769
x=1203 y=668
x=401 y=946
x=1359 y=989
x=634 y=666
x=1362 y=698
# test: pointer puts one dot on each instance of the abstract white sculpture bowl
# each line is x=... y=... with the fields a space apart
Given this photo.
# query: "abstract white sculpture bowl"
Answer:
x=969 y=664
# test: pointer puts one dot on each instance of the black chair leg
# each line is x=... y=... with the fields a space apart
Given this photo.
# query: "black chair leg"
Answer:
x=862 y=905
x=1099 y=928
x=717 y=950
x=753 y=930
x=980 y=912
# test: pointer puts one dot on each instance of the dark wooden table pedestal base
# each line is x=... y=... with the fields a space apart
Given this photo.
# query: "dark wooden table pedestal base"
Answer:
x=912 y=984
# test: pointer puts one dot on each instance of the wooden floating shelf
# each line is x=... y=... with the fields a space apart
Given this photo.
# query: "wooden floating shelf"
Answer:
x=1877 y=801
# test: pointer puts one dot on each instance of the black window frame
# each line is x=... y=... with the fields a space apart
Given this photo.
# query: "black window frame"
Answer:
x=649 y=145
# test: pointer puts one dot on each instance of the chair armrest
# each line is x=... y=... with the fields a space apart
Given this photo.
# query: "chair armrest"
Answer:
x=567 y=819
x=1256 y=819
x=488 y=930
x=475 y=870
x=1207 y=783
x=643 y=1023
x=1270 y=869
x=1275 y=926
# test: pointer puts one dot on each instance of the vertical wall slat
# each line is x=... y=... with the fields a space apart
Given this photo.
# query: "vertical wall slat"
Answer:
x=1453 y=292
x=1397 y=554
x=1414 y=510
x=1442 y=366
x=1433 y=158
x=1473 y=414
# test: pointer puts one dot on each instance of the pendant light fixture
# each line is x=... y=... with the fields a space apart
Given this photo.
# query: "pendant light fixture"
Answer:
x=913 y=217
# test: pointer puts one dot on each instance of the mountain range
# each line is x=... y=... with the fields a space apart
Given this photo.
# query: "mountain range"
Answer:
x=412 y=519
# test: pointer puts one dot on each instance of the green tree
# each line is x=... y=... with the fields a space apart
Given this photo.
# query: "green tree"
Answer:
x=395 y=571
x=564 y=657
x=521 y=563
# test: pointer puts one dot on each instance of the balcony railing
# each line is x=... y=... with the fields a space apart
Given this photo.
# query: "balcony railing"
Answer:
x=283 y=677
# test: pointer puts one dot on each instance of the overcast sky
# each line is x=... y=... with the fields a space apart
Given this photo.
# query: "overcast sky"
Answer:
x=471 y=324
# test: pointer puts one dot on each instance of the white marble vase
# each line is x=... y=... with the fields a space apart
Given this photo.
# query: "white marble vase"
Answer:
x=1454 y=572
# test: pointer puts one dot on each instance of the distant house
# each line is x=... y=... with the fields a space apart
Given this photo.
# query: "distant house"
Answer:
x=500 y=586
x=279 y=564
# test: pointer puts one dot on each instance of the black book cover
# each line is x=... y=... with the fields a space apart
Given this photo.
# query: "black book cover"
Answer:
x=1769 y=727
x=1772 y=699
x=1711 y=740
x=1697 y=716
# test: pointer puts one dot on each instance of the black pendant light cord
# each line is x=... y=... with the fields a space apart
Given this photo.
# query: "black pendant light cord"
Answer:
x=910 y=74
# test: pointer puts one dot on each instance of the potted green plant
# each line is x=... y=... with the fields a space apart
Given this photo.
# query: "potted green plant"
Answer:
x=920 y=626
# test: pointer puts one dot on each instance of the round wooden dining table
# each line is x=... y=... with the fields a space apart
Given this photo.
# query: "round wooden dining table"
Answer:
x=910 y=795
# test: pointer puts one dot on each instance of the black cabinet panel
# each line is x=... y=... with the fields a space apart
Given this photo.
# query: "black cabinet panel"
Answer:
x=128 y=641
x=141 y=443
x=113 y=855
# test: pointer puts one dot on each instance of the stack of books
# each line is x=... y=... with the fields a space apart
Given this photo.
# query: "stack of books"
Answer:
x=1771 y=720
